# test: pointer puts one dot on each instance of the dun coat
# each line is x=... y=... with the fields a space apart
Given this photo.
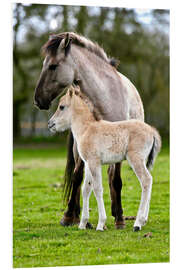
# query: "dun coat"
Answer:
x=104 y=142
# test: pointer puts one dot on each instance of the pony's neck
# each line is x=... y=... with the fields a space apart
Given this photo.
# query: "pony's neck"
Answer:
x=82 y=117
x=95 y=77
x=86 y=71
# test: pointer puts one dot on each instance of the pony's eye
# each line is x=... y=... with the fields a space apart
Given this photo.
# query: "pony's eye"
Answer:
x=52 y=67
x=61 y=107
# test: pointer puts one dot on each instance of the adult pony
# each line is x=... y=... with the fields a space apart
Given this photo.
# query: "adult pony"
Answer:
x=71 y=58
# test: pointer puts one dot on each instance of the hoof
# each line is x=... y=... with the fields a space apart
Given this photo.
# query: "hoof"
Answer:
x=100 y=229
x=136 y=229
x=66 y=222
x=120 y=225
x=89 y=225
x=82 y=227
x=76 y=220
x=69 y=221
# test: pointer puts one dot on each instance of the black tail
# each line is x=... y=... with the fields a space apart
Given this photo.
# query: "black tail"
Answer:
x=150 y=160
x=154 y=150
x=70 y=165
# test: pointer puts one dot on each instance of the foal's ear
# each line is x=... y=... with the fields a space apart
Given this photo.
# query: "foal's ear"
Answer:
x=70 y=92
x=66 y=44
x=77 y=90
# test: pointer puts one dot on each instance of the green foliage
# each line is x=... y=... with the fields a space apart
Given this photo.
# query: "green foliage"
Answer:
x=39 y=240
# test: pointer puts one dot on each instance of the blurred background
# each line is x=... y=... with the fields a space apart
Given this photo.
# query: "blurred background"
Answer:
x=139 y=38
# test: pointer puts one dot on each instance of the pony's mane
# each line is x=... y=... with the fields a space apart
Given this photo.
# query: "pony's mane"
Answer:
x=51 y=46
x=95 y=112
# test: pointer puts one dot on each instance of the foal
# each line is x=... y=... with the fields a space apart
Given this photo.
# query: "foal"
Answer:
x=103 y=142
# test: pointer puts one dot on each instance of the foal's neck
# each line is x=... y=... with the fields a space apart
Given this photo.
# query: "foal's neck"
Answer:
x=82 y=117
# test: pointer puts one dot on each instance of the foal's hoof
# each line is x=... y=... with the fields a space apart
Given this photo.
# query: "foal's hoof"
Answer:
x=89 y=225
x=100 y=229
x=120 y=225
x=136 y=229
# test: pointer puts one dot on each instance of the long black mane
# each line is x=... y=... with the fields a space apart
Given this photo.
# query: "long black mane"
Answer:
x=51 y=46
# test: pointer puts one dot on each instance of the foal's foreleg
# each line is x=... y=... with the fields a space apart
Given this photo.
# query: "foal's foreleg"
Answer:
x=86 y=192
x=139 y=167
x=98 y=192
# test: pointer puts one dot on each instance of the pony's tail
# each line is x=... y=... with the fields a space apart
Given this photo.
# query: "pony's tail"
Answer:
x=154 y=150
x=70 y=165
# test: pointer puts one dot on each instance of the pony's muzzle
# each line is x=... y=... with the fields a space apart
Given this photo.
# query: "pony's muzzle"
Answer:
x=42 y=105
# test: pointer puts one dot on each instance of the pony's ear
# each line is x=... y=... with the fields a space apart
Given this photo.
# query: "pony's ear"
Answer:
x=66 y=44
x=114 y=62
x=51 y=36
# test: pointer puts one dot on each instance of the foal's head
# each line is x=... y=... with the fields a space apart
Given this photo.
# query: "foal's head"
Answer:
x=61 y=120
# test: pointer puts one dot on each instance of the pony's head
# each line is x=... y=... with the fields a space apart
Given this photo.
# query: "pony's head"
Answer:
x=57 y=72
x=61 y=120
x=62 y=65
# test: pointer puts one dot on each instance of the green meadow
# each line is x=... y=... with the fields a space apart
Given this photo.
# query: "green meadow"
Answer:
x=40 y=241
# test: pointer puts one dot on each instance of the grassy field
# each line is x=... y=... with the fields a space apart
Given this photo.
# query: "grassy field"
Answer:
x=39 y=240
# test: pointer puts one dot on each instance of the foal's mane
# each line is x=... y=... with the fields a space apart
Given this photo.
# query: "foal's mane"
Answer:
x=51 y=46
x=95 y=112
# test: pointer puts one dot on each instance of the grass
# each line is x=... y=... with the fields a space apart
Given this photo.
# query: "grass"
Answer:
x=39 y=240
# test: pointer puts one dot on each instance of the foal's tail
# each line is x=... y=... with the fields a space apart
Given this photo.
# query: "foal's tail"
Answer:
x=70 y=165
x=154 y=150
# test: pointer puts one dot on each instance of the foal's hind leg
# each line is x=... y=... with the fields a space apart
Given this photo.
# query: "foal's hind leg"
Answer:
x=139 y=167
x=115 y=184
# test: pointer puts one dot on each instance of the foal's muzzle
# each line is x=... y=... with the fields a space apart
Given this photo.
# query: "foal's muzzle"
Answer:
x=51 y=124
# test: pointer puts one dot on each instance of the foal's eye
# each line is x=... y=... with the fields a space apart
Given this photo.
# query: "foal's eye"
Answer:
x=61 y=107
x=52 y=67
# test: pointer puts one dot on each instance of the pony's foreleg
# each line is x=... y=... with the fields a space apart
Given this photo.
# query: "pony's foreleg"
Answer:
x=115 y=184
x=71 y=216
x=86 y=192
x=139 y=167
x=98 y=192
x=73 y=179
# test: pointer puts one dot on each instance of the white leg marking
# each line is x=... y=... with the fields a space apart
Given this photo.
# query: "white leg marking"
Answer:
x=145 y=180
x=86 y=192
x=98 y=192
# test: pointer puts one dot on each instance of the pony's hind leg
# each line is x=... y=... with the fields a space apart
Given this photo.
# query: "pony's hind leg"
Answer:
x=139 y=167
x=115 y=184
x=98 y=192
x=86 y=192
